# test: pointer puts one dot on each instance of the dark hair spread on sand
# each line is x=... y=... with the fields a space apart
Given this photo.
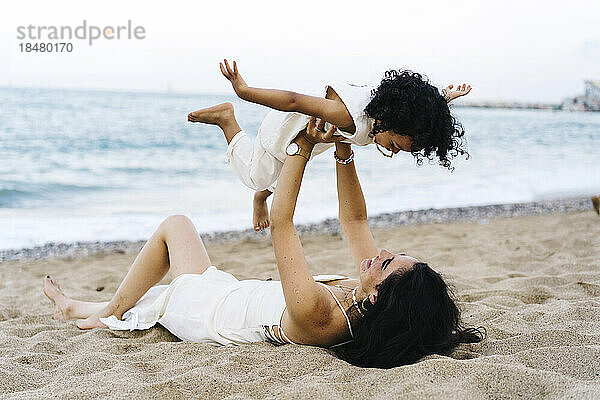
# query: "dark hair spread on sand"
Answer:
x=414 y=315
x=407 y=104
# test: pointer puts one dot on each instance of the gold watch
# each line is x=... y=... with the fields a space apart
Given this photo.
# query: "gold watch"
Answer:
x=295 y=149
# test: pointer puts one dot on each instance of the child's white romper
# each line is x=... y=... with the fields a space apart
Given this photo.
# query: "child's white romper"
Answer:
x=258 y=165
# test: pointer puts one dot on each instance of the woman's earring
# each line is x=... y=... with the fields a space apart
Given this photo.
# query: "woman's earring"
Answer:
x=363 y=304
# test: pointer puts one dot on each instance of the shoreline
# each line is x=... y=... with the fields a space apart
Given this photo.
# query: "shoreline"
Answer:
x=330 y=226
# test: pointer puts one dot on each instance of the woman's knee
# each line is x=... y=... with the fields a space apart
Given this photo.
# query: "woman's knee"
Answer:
x=176 y=222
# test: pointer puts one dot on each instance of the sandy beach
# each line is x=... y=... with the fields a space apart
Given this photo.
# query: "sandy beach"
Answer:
x=532 y=281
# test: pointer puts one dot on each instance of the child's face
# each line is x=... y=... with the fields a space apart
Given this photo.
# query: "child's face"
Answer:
x=393 y=141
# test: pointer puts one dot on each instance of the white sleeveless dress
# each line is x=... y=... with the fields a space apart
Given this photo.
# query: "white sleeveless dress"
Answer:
x=215 y=308
x=258 y=163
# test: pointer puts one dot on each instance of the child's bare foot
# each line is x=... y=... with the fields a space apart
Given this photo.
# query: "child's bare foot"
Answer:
x=91 y=322
x=260 y=213
x=216 y=115
x=221 y=115
x=61 y=302
x=596 y=203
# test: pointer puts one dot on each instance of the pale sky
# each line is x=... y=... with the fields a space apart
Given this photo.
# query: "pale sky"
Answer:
x=507 y=50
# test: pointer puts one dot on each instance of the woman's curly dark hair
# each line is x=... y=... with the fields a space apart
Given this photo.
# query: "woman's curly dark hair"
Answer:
x=414 y=315
x=407 y=104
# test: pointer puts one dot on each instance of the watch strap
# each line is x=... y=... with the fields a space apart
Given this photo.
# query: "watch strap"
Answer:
x=303 y=153
x=300 y=151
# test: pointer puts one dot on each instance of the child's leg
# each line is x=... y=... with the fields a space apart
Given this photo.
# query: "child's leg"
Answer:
x=260 y=213
x=256 y=168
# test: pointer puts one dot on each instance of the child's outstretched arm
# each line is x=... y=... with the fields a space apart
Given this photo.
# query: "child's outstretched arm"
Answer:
x=332 y=111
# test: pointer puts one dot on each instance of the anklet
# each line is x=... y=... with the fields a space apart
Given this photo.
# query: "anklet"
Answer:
x=341 y=160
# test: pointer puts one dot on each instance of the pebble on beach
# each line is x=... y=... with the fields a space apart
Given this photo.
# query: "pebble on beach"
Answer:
x=481 y=214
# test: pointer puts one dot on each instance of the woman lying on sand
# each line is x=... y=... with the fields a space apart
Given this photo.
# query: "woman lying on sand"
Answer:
x=397 y=311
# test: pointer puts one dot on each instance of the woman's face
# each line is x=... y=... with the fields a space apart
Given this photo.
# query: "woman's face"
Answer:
x=375 y=270
x=393 y=142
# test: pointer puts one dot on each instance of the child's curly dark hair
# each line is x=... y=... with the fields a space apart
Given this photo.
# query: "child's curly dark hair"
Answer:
x=407 y=104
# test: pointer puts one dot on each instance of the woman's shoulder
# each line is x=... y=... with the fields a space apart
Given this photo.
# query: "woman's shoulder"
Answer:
x=327 y=325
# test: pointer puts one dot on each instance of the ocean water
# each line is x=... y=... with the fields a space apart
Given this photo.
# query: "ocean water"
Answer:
x=92 y=165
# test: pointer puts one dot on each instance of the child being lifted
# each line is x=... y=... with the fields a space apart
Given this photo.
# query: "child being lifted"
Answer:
x=404 y=113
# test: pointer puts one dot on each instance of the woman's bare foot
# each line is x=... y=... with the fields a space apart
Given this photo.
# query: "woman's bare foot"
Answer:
x=596 y=203
x=61 y=302
x=260 y=212
x=91 y=322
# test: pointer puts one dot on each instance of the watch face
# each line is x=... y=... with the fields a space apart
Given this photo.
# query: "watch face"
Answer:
x=292 y=149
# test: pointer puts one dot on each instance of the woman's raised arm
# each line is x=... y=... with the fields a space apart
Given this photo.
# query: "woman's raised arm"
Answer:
x=352 y=208
x=307 y=302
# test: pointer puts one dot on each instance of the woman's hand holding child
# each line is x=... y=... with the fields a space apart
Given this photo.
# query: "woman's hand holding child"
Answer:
x=315 y=132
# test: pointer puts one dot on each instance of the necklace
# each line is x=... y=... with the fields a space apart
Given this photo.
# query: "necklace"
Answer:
x=355 y=302
x=347 y=290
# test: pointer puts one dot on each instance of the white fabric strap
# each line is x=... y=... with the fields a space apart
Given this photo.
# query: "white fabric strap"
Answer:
x=282 y=333
x=341 y=308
